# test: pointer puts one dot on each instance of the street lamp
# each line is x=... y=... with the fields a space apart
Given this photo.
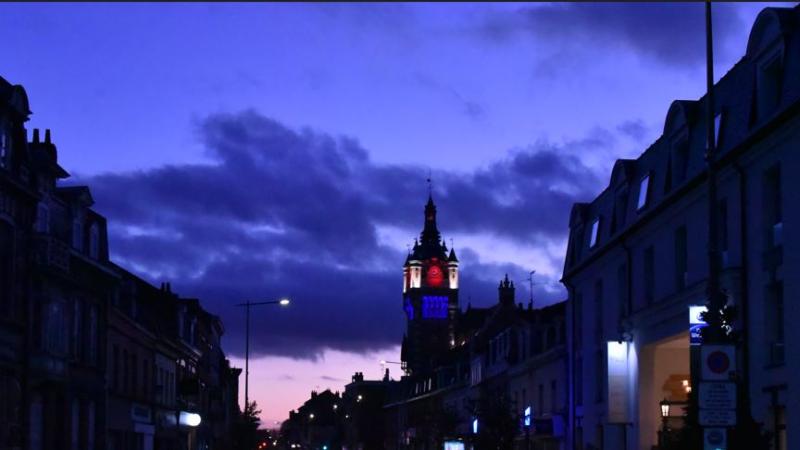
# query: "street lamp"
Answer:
x=664 y=409
x=247 y=305
x=664 y=404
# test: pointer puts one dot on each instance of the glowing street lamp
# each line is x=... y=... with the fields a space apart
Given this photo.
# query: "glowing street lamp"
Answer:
x=247 y=305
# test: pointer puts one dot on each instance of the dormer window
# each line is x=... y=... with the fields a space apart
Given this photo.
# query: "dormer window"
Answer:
x=769 y=84
x=94 y=241
x=644 y=188
x=595 y=231
x=717 y=125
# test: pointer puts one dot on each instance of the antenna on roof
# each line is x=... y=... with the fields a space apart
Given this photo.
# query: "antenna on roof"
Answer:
x=532 y=284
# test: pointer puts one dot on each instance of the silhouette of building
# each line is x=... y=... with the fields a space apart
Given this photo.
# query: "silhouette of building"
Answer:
x=637 y=261
x=492 y=365
x=430 y=298
x=315 y=424
x=91 y=356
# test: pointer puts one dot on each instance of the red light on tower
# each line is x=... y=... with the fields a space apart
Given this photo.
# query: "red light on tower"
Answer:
x=435 y=276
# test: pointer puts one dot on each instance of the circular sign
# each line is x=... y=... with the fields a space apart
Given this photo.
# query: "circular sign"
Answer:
x=718 y=362
x=715 y=437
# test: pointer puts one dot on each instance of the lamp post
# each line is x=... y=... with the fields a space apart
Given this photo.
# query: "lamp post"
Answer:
x=247 y=305
x=664 y=404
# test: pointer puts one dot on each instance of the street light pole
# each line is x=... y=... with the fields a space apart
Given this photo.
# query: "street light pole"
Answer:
x=247 y=305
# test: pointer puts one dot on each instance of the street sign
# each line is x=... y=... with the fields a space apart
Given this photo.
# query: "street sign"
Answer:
x=718 y=361
x=696 y=324
x=717 y=395
x=717 y=417
x=714 y=439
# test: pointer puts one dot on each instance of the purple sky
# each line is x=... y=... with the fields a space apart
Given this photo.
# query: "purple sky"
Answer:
x=261 y=150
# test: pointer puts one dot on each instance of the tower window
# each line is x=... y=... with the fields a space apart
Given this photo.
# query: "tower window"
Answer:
x=644 y=187
x=434 y=307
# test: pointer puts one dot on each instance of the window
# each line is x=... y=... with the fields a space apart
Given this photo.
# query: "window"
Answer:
x=90 y=426
x=92 y=332
x=55 y=327
x=77 y=234
x=77 y=324
x=775 y=325
x=622 y=290
x=134 y=374
x=541 y=400
x=769 y=79
x=434 y=307
x=681 y=258
x=649 y=277
x=125 y=371
x=680 y=160
x=5 y=149
x=74 y=431
x=94 y=241
x=42 y=218
x=620 y=209
x=600 y=375
x=595 y=231
x=6 y=268
x=644 y=188
x=579 y=380
x=773 y=203
x=145 y=378
x=36 y=426
x=115 y=368
x=723 y=229
x=553 y=397
x=717 y=124
x=578 y=319
x=598 y=309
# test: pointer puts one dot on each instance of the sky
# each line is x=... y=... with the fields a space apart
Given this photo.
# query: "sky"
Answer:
x=260 y=151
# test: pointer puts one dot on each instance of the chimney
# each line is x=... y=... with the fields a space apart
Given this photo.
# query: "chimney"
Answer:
x=506 y=292
x=386 y=375
x=35 y=138
x=47 y=136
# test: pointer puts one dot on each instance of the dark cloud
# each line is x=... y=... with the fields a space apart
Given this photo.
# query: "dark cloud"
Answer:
x=635 y=129
x=672 y=33
x=299 y=213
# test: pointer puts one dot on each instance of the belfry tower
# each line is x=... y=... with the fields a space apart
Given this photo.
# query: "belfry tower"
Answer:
x=430 y=297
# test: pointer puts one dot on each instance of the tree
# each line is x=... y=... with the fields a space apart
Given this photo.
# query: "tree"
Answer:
x=247 y=427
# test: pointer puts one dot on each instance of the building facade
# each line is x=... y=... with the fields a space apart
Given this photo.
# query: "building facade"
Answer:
x=91 y=356
x=637 y=262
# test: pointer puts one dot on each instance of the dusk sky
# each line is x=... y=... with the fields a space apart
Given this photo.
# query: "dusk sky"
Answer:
x=257 y=151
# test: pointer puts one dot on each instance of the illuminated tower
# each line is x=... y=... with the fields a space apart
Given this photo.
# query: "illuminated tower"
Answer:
x=430 y=297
